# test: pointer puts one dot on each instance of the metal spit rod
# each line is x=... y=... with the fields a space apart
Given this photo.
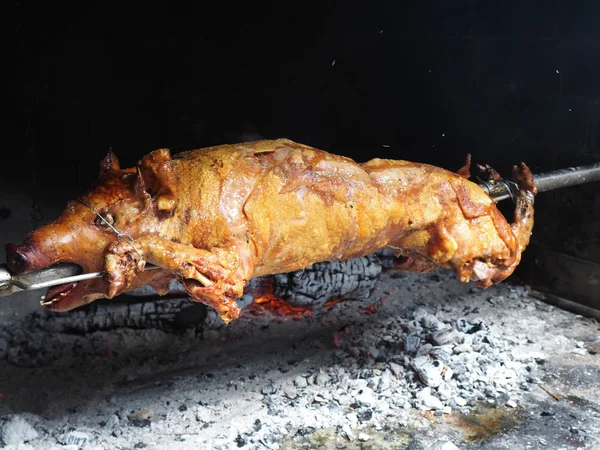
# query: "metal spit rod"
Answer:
x=567 y=177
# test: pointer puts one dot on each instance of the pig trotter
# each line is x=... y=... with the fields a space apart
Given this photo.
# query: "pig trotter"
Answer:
x=487 y=274
x=220 y=296
x=122 y=262
x=522 y=225
x=524 y=178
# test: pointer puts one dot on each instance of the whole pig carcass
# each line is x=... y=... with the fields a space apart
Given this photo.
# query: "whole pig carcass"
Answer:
x=216 y=217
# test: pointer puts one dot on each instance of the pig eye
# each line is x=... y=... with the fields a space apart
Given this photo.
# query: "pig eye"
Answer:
x=109 y=220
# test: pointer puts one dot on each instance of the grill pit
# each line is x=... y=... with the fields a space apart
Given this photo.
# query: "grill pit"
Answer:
x=420 y=360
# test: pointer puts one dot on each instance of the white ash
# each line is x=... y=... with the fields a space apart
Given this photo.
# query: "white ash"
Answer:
x=423 y=342
x=16 y=430
x=443 y=445
x=455 y=358
x=76 y=438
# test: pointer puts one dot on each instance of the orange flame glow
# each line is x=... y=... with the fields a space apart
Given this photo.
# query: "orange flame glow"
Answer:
x=278 y=307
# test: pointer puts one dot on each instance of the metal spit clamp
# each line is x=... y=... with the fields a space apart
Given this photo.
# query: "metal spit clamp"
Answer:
x=500 y=189
x=572 y=176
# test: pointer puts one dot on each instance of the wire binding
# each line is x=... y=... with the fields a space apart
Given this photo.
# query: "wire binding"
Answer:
x=126 y=237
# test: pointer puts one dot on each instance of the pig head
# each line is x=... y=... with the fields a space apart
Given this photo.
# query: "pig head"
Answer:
x=121 y=205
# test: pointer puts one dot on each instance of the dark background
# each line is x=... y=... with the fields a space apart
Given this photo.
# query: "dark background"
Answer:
x=429 y=81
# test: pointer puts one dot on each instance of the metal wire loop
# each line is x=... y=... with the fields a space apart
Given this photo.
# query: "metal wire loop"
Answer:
x=119 y=234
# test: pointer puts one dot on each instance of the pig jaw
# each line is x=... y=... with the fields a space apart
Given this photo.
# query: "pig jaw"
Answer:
x=88 y=291
x=73 y=295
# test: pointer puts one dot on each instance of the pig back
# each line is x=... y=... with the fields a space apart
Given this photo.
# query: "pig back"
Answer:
x=282 y=204
x=312 y=206
x=211 y=183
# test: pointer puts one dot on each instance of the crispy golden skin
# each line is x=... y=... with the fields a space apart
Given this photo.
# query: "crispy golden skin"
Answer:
x=217 y=217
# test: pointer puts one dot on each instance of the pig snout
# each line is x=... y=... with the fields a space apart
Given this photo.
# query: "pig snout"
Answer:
x=22 y=258
x=31 y=256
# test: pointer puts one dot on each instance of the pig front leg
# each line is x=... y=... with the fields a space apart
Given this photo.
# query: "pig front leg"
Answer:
x=216 y=277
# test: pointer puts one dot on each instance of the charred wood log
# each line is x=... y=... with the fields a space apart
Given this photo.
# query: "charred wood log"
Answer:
x=162 y=313
x=142 y=308
x=326 y=281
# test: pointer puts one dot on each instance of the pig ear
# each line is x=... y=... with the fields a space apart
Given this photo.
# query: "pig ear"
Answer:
x=110 y=162
x=156 y=178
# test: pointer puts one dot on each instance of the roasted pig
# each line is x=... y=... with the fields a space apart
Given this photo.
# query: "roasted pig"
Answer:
x=216 y=217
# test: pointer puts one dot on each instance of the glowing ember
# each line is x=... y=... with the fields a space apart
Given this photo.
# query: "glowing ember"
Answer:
x=335 y=301
x=371 y=309
x=278 y=307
